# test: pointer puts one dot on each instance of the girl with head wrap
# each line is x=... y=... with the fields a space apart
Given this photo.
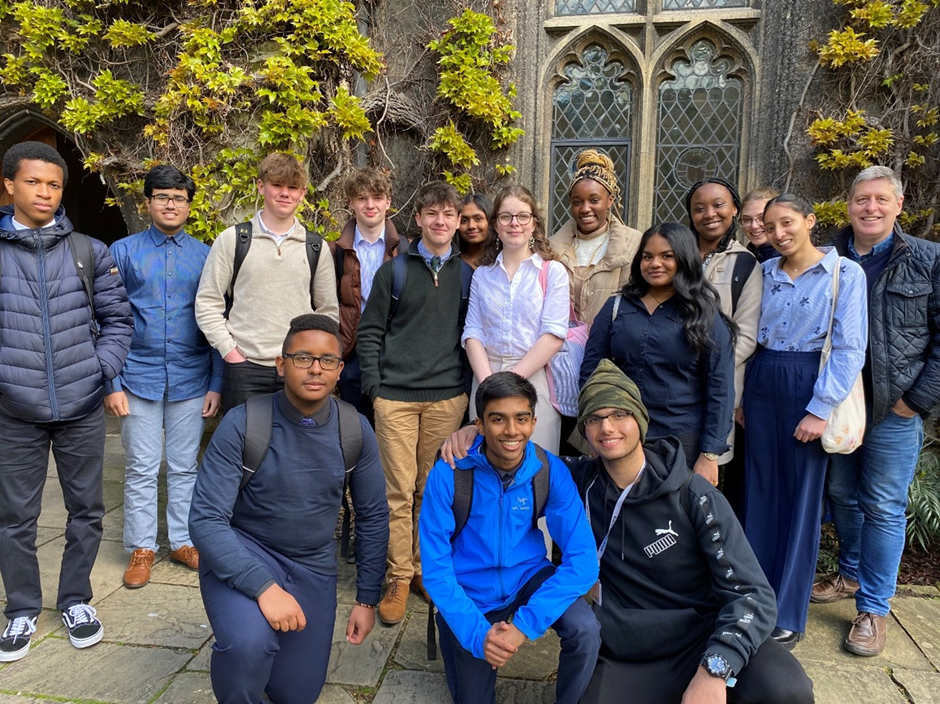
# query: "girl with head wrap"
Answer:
x=594 y=245
x=713 y=206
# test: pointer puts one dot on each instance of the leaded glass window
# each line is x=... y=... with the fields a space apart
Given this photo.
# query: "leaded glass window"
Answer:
x=700 y=114
x=698 y=4
x=593 y=7
x=593 y=108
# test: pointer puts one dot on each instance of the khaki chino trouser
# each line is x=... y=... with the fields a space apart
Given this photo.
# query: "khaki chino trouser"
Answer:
x=409 y=434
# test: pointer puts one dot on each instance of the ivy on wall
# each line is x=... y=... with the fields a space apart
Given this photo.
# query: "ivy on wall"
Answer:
x=208 y=85
x=883 y=109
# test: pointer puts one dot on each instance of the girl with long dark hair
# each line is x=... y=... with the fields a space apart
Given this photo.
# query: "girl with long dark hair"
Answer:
x=788 y=399
x=669 y=336
x=475 y=232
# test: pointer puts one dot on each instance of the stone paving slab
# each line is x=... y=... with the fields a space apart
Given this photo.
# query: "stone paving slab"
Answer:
x=167 y=572
x=829 y=624
x=189 y=688
x=407 y=687
x=158 y=614
x=921 y=619
x=848 y=684
x=107 y=575
x=11 y=699
x=359 y=664
x=201 y=661
x=536 y=660
x=44 y=534
x=108 y=673
x=923 y=687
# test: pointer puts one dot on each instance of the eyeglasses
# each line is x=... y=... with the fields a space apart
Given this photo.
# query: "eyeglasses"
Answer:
x=595 y=420
x=521 y=218
x=302 y=360
x=163 y=199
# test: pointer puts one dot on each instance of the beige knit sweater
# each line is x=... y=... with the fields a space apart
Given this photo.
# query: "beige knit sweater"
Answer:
x=273 y=287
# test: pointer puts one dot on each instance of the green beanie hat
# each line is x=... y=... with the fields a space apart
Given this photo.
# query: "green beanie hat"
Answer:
x=609 y=387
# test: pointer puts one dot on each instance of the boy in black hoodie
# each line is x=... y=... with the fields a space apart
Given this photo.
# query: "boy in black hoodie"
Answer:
x=684 y=607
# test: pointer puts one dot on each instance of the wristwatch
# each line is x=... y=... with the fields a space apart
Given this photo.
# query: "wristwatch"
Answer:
x=710 y=456
x=716 y=666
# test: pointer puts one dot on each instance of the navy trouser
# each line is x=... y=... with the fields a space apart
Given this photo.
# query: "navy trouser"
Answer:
x=249 y=658
x=771 y=676
x=242 y=380
x=784 y=478
x=78 y=448
x=473 y=681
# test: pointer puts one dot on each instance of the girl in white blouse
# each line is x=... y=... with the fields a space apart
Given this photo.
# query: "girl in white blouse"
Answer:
x=517 y=322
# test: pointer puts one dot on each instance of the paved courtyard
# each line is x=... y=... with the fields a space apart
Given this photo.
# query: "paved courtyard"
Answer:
x=157 y=640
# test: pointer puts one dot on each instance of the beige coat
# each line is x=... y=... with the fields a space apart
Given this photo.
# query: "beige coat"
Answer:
x=609 y=274
x=719 y=272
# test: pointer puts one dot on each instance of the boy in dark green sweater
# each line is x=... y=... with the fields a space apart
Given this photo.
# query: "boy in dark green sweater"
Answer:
x=413 y=369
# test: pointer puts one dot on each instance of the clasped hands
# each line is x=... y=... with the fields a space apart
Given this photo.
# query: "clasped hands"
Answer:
x=501 y=643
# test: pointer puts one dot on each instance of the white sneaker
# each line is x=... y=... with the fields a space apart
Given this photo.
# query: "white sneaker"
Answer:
x=84 y=629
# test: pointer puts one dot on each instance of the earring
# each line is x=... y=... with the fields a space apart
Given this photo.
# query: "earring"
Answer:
x=532 y=243
x=499 y=244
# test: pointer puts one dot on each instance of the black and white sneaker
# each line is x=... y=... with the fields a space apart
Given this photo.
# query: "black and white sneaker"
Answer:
x=14 y=643
x=84 y=629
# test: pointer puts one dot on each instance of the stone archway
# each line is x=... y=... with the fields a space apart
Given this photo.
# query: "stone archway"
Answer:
x=85 y=194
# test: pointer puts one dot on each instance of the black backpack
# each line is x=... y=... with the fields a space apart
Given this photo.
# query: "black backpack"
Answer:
x=83 y=254
x=463 y=499
x=243 y=232
x=259 y=416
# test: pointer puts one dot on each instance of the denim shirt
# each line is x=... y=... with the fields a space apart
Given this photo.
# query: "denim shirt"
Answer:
x=795 y=314
x=683 y=391
x=169 y=356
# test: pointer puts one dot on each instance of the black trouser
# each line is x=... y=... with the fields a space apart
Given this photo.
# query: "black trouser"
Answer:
x=78 y=448
x=732 y=480
x=771 y=676
x=350 y=387
x=242 y=380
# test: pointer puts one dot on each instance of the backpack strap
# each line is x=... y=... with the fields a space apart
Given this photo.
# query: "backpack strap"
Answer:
x=540 y=486
x=743 y=268
x=83 y=254
x=684 y=495
x=399 y=274
x=314 y=246
x=350 y=441
x=259 y=417
x=242 y=244
x=463 y=499
x=339 y=254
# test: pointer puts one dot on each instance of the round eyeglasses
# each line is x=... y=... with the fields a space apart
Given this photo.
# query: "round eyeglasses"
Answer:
x=521 y=218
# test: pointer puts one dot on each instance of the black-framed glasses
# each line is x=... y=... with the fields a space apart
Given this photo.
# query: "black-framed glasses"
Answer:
x=163 y=199
x=595 y=420
x=302 y=360
x=521 y=218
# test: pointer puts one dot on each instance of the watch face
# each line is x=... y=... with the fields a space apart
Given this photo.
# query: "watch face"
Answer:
x=717 y=666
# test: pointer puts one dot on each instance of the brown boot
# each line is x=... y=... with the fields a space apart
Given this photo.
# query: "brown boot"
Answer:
x=417 y=586
x=392 y=607
x=833 y=587
x=137 y=573
x=868 y=635
x=186 y=555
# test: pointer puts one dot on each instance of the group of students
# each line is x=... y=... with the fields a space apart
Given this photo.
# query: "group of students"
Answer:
x=709 y=348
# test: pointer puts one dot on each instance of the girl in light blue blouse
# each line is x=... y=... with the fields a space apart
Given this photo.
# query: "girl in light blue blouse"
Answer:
x=788 y=400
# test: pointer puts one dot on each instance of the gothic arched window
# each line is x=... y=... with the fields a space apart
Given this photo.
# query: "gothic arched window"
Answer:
x=591 y=107
x=701 y=4
x=700 y=114
x=593 y=7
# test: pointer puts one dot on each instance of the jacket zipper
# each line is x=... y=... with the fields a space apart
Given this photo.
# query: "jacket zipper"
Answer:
x=47 y=331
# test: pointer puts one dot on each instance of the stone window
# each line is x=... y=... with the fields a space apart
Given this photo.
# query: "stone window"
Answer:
x=700 y=124
x=593 y=7
x=698 y=4
x=592 y=106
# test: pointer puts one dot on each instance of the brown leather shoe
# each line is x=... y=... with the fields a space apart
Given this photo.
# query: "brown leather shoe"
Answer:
x=868 y=635
x=137 y=573
x=392 y=607
x=417 y=586
x=833 y=587
x=186 y=555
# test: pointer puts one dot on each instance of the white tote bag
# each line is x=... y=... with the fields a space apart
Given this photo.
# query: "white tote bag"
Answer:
x=846 y=427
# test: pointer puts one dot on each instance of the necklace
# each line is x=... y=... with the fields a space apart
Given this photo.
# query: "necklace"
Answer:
x=659 y=301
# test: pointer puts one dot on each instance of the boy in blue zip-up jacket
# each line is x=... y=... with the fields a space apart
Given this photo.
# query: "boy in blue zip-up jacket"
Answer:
x=492 y=583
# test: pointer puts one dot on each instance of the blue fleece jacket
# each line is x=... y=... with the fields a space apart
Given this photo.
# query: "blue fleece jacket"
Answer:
x=499 y=550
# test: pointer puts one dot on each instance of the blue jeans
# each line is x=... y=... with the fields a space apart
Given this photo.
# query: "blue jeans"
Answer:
x=142 y=434
x=868 y=492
